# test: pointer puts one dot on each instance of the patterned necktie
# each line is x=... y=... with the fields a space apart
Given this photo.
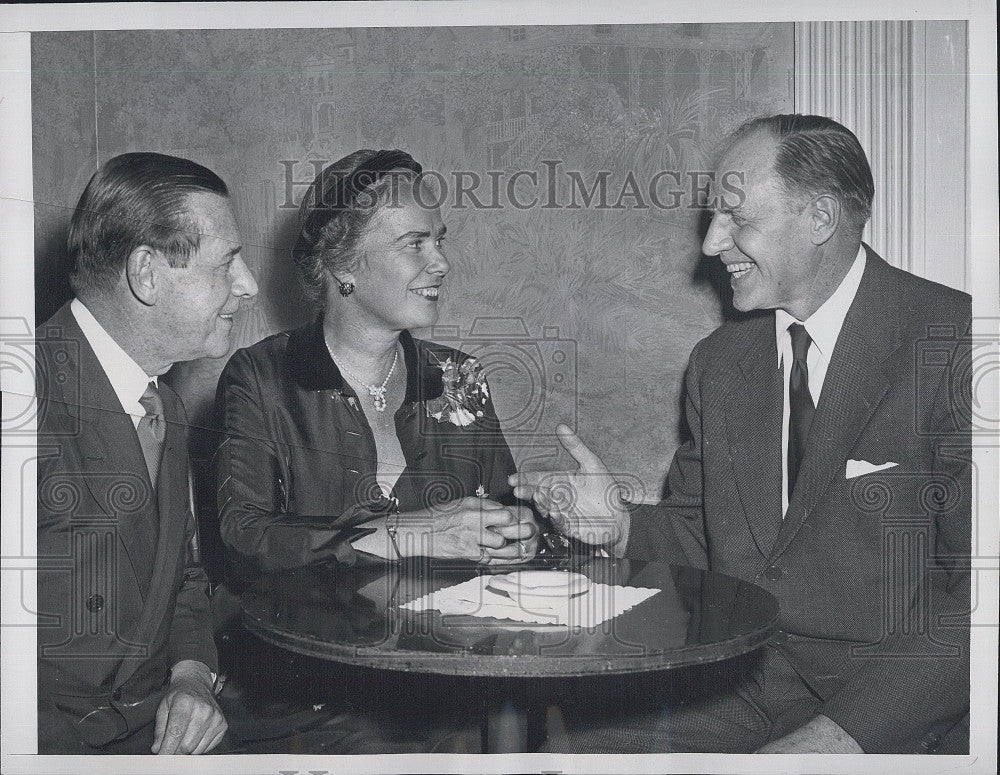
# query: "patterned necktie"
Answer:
x=800 y=403
x=152 y=431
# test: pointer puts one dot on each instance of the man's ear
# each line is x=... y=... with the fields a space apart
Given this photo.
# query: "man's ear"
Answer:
x=141 y=272
x=824 y=218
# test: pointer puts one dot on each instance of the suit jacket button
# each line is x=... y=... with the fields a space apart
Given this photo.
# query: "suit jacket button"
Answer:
x=772 y=573
x=116 y=695
x=95 y=603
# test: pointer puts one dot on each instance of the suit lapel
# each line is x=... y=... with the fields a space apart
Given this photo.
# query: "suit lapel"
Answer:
x=113 y=465
x=854 y=386
x=753 y=420
x=107 y=444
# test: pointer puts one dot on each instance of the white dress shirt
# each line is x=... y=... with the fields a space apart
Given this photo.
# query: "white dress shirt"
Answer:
x=823 y=327
x=127 y=378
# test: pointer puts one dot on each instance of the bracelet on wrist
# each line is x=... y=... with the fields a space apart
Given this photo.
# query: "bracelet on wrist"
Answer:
x=392 y=526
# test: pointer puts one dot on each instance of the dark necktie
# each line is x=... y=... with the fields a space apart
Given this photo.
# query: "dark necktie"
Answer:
x=152 y=431
x=800 y=403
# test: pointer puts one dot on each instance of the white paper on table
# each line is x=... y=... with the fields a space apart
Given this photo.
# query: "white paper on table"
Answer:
x=472 y=598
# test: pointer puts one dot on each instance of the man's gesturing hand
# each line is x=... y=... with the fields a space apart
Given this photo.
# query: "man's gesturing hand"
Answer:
x=585 y=504
x=188 y=720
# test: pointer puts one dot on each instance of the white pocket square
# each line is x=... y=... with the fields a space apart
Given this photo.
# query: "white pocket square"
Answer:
x=857 y=468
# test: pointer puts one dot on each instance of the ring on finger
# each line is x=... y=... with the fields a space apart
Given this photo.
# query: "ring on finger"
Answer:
x=522 y=547
x=483 y=559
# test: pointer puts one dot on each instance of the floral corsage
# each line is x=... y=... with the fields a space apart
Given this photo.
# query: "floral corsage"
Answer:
x=465 y=393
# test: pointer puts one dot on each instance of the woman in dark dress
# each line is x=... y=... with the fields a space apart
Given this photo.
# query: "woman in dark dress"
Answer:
x=349 y=435
x=350 y=441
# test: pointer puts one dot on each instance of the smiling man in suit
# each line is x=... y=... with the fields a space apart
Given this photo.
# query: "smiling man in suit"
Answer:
x=126 y=656
x=827 y=461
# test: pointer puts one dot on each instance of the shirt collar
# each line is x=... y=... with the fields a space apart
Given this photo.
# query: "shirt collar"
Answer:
x=309 y=364
x=127 y=377
x=825 y=323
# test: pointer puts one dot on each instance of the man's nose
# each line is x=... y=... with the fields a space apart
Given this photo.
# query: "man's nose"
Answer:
x=718 y=239
x=244 y=284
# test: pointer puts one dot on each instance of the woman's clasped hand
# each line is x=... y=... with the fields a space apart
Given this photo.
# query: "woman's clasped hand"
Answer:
x=472 y=527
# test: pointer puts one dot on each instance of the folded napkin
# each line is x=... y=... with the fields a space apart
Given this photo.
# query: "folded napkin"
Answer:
x=472 y=598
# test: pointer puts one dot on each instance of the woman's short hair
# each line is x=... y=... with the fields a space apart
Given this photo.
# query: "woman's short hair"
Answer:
x=336 y=210
x=819 y=155
x=135 y=199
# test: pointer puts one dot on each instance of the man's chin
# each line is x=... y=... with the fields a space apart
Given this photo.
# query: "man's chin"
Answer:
x=218 y=348
x=742 y=304
x=749 y=301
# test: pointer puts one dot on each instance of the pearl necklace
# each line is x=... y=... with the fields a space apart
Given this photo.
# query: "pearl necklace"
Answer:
x=377 y=392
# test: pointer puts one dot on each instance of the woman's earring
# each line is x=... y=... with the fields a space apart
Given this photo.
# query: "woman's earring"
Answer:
x=346 y=289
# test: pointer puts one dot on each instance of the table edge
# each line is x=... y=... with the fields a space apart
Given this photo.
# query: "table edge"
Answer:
x=519 y=665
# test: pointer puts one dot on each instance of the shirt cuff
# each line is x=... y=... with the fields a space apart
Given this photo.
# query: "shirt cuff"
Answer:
x=618 y=548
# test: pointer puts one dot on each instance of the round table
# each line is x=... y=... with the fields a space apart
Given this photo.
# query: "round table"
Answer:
x=353 y=616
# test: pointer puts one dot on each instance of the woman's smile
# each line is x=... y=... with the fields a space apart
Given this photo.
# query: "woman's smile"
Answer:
x=429 y=292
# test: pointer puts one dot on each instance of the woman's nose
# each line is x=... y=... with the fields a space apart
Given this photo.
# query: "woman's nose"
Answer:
x=438 y=263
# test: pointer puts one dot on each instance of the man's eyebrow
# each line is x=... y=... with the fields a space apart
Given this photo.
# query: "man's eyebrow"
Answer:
x=722 y=207
x=410 y=235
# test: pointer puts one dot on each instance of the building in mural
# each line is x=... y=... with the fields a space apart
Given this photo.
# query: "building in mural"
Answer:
x=325 y=76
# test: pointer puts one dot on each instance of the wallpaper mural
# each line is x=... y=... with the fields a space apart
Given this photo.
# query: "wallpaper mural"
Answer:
x=569 y=162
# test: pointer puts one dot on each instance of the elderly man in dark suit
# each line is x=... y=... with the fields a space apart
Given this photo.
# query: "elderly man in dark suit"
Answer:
x=126 y=656
x=827 y=462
